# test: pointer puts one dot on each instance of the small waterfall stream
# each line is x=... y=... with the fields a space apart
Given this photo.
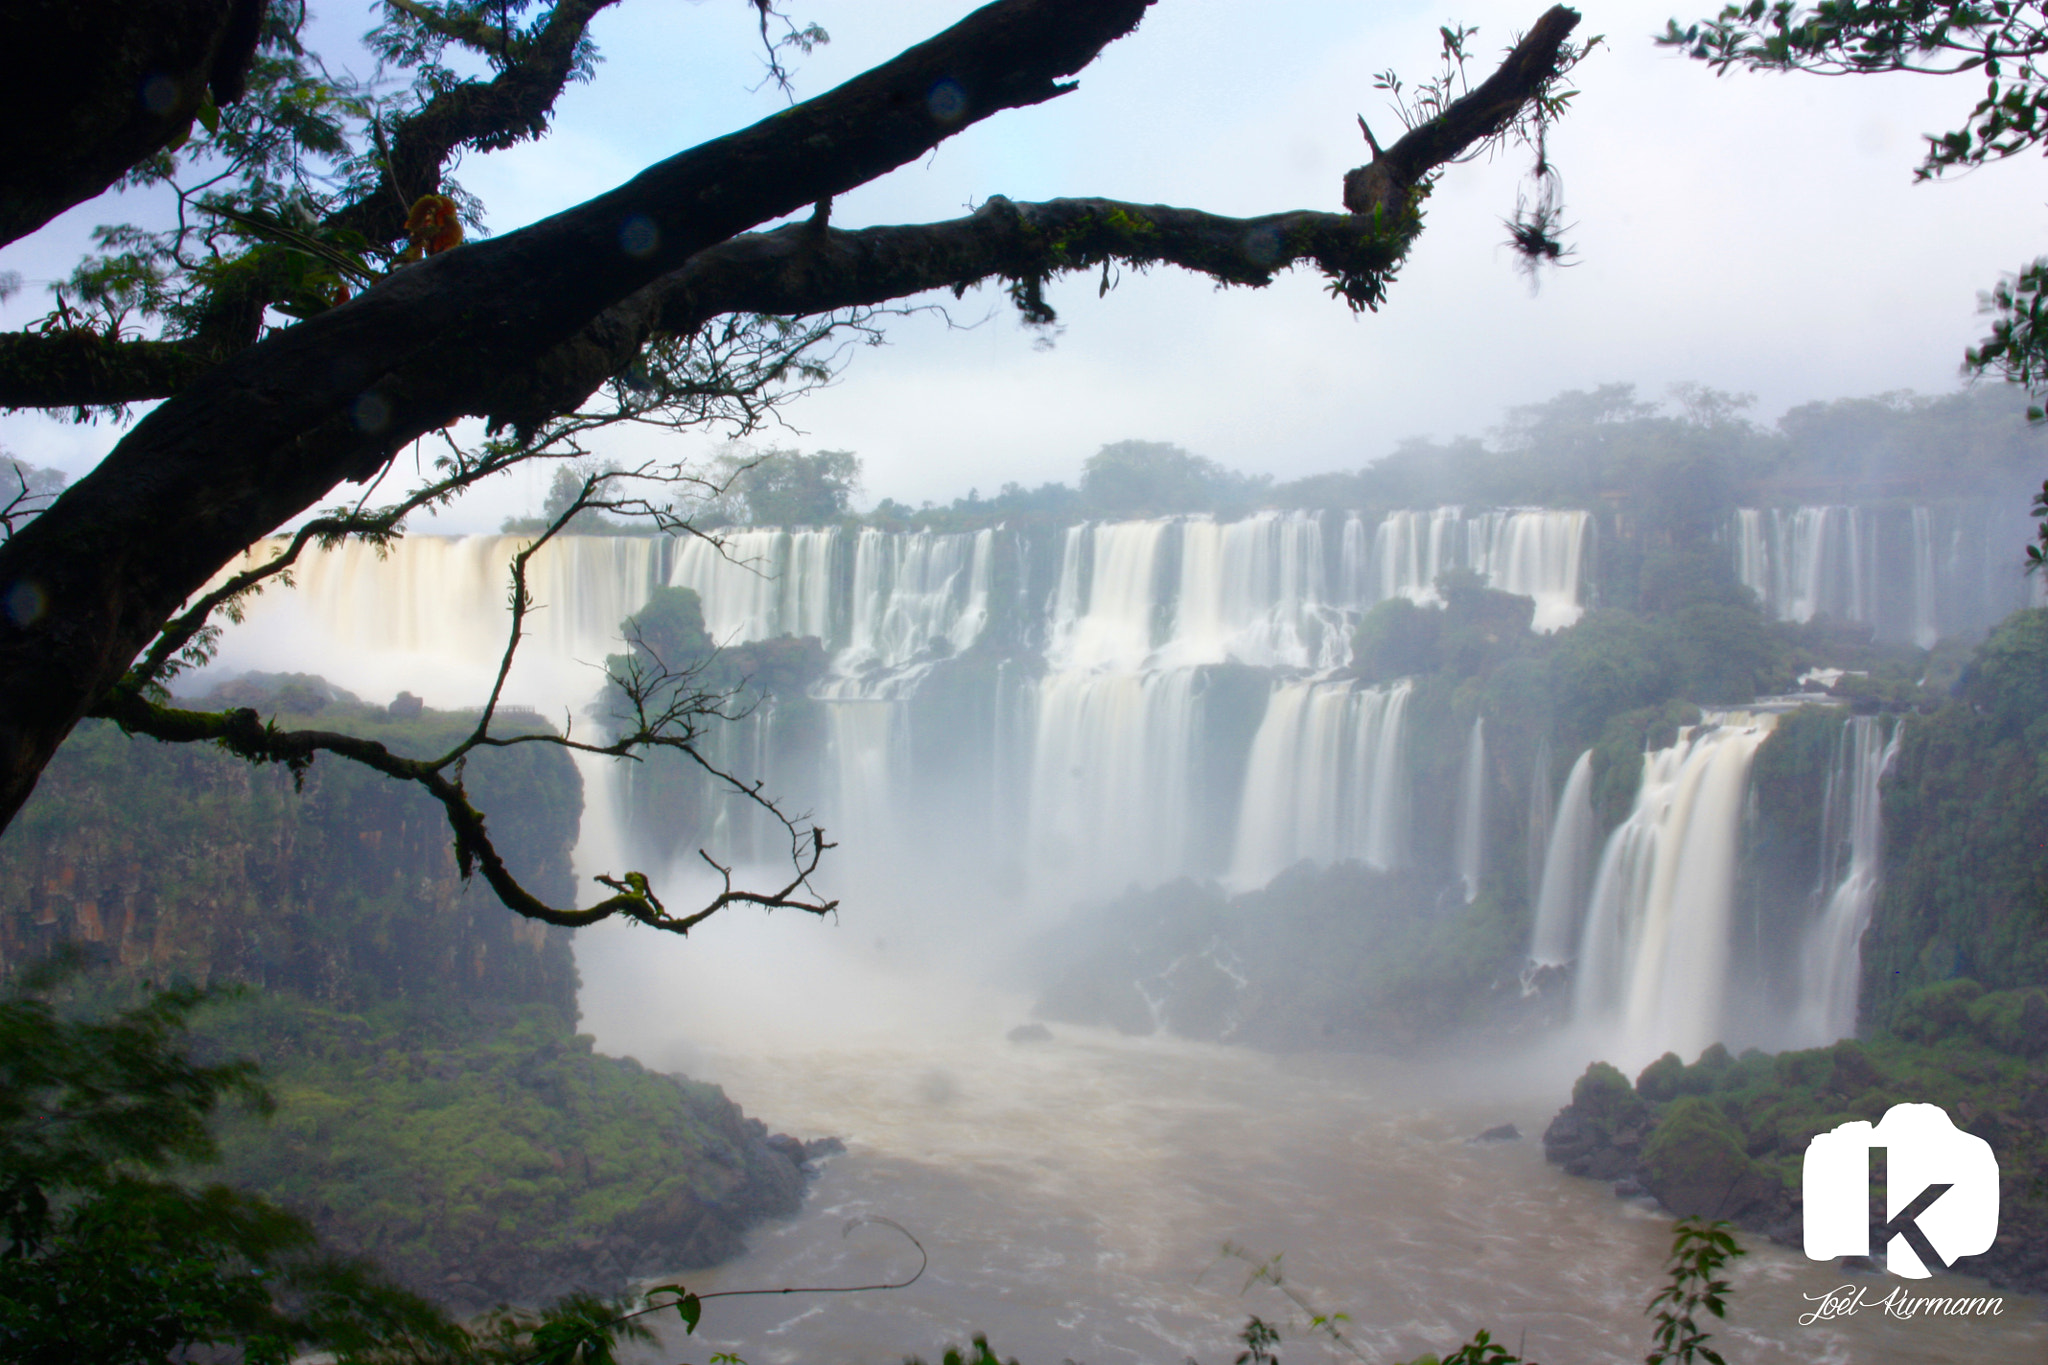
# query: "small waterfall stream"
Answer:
x=1567 y=866
x=1845 y=891
x=1654 y=952
x=1470 y=838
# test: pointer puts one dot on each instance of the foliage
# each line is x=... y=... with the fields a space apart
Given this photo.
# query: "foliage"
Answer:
x=109 y=1258
x=785 y=487
x=1397 y=639
x=114 y=1256
x=1343 y=956
x=259 y=878
x=1981 y=1056
x=1151 y=478
x=489 y=1143
x=1965 y=889
x=1699 y=1251
x=978 y=1354
x=2005 y=41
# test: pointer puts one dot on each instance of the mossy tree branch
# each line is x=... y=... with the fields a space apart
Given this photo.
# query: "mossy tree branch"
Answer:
x=667 y=711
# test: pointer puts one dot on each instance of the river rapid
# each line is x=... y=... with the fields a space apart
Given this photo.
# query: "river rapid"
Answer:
x=1103 y=1199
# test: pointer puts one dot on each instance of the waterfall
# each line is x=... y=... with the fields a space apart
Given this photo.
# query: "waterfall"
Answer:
x=1106 y=610
x=1566 y=865
x=1411 y=548
x=1327 y=780
x=1654 y=953
x=1166 y=701
x=916 y=596
x=1845 y=890
x=1471 y=831
x=1112 y=799
x=431 y=615
x=1253 y=591
x=756 y=585
x=1914 y=574
x=1538 y=554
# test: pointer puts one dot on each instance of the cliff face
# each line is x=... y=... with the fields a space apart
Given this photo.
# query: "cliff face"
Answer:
x=181 y=861
x=1966 y=833
x=437 y=1110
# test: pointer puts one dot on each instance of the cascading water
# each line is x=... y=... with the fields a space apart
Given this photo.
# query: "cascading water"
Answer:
x=1845 y=891
x=1118 y=733
x=1471 y=831
x=1654 y=953
x=1530 y=552
x=756 y=585
x=1915 y=573
x=1567 y=865
x=1327 y=780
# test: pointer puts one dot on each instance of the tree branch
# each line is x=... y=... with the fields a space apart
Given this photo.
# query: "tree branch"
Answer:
x=511 y=107
x=1385 y=183
x=83 y=368
x=665 y=706
x=265 y=434
x=75 y=127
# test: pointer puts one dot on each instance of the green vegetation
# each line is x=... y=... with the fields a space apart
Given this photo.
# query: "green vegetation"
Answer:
x=1966 y=867
x=109 y=1257
x=482 y=1153
x=181 y=860
x=1726 y=1136
x=2006 y=42
x=1671 y=472
x=740 y=690
x=441 y=1113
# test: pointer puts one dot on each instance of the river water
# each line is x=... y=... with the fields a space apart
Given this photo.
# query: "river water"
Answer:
x=1077 y=1196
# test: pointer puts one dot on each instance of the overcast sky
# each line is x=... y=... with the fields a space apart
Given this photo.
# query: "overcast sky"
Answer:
x=1761 y=234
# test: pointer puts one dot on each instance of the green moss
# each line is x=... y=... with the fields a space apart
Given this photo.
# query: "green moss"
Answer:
x=1937 y=1012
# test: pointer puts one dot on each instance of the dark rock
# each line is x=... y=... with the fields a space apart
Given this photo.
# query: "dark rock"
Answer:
x=405 y=706
x=818 y=1148
x=1505 y=1132
x=1029 y=1033
x=1628 y=1187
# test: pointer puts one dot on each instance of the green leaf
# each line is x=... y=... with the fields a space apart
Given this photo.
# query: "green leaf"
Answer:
x=209 y=114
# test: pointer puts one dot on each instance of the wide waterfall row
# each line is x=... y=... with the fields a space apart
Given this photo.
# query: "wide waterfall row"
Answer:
x=1915 y=574
x=1116 y=701
x=1664 y=953
x=1536 y=554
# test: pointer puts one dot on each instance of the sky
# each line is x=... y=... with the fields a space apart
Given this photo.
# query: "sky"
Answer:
x=1760 y=234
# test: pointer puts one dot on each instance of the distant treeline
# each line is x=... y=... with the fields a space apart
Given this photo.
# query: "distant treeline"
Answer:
x=1675 y=466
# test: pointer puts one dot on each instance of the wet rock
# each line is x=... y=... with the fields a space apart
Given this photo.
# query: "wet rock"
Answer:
x=1503 y=1132
x=1029 y=1033
x=1697 y=1167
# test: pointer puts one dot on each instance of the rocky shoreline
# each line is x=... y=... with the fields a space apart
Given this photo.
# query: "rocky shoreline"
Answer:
x=1725 y=1137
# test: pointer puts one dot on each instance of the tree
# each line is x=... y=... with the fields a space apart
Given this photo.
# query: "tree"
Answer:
x=107 y=1257
x=1151 y=478
x=652 y=300
x=2006 y=40
x=789 y=488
